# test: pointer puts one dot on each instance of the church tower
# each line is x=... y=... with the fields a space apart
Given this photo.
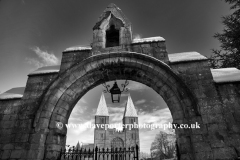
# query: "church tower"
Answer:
x=101 y=118
x=130 y=121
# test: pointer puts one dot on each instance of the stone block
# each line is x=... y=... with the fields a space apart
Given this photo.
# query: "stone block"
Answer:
x=204 y=156
x=6 y=154
x=201 y=147
x=43 y=123
x=197 y=138
x=185 y=148
x=16 y=153
x=8 y=146
x=224 y=153
x=38 y=138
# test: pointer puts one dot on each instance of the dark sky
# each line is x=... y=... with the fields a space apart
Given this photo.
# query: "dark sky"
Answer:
x=32 y=31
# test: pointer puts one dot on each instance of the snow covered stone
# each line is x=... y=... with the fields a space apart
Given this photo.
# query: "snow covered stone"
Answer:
x=150 y=39
x=46 y=70
x=13 y=93
x=81 y=48
x=224 y=75
x=185 y=56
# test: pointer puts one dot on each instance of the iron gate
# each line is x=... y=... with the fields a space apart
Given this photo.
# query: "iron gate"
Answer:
x=100 y=154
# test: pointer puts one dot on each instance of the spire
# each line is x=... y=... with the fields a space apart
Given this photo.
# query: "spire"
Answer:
x=102 y=109
x=77 y=146
x=130 y=110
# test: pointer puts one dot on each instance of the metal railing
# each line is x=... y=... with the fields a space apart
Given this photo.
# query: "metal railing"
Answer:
x=100 y=154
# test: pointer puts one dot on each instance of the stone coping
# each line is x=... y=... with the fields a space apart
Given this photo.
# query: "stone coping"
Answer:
x=226 y=75
x=185 y=57
x=78 y=48
x=150 y=39
x=45 y=70
x=14 y=93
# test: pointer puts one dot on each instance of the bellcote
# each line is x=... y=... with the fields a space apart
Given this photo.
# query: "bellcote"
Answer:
x=112 y=29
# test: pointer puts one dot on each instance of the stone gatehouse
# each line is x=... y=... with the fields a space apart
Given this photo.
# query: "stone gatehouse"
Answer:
x=192 y=90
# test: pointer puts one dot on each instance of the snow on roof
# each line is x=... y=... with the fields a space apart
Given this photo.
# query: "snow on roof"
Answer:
x=130 y=110
x=13 y=93
x=150 y=39
x=224 y=75
x=102 y=109
x=78 y=48
x=185 y=56
x=46 y=69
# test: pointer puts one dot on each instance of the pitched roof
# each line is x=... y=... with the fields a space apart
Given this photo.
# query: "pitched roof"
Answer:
x=102 y=109
x=130 y=110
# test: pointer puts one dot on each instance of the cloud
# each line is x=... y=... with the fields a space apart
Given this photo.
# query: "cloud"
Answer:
x=161 y=116
x=141 y=101
x=43 y=58
x=136 y=86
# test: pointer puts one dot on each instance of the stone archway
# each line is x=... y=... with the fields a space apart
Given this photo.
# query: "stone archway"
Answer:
x=71 y=85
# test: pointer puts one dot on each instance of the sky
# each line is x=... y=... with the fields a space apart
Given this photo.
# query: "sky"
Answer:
x=34 y=33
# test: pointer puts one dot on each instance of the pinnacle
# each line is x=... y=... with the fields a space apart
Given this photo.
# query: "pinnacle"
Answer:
x=112 y=5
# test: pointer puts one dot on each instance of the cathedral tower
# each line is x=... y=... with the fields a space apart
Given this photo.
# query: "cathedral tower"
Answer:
x=130 y=121
x=101 y=118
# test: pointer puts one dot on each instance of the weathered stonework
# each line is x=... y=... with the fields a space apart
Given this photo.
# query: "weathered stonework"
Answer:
x=28 y=124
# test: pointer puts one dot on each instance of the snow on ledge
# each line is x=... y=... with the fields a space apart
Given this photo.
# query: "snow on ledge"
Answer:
x=10 y=96
x=150 y=39
x=185 y=56
x=79 y=48
x=13 y=93
x=46 y=70
x=224 y=75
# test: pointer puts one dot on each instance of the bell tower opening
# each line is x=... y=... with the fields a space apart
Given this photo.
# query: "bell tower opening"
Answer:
x=112 y=37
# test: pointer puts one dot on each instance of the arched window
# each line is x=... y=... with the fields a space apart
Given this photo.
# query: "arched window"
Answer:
x=112 y=37
x=117 y=143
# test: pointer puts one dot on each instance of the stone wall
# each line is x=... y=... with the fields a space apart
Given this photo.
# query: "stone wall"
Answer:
x=219 y=108
x=217 y=112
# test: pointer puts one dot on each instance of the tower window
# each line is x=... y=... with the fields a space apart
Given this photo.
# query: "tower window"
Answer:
x=102 y=120
x=133 y=136
x=112 y=37
x=132 y=120
x=102 y=136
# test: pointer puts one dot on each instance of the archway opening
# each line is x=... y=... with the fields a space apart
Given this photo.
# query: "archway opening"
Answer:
x=152 y=112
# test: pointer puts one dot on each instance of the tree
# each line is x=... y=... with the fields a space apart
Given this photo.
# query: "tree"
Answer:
x=144 y=155
x=229 y=53
x=163 y=145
